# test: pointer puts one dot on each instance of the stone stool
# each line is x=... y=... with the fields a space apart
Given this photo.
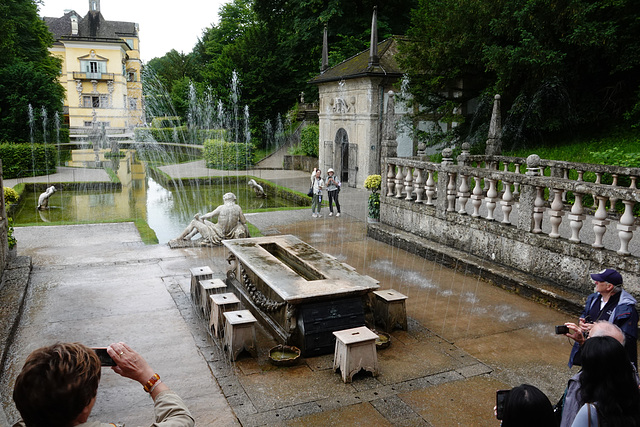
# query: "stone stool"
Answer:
x=219 y=304
x=390 y=309
x=197 y=274
x=240 y=333
x=209 y=287
x=355 y=350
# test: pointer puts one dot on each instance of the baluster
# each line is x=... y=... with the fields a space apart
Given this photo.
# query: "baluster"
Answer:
x=626 y=227
x=613 y=200
x=633 y=182
x=600 y=222
x=507 y=202
x=408 y=183
x=565 y=175
x=491 y=199
x=430 y=188
x=451 y=193
x=476 y=197
x=556 y=213
x=391 y=174
x=516 y=185
x=538 y=210
x=463 y=194
x=598 y=181
x=418 y=184
x=399 y=182
x=576 y=218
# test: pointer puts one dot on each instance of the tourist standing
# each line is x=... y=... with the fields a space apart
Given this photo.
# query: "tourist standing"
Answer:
x=611 y=303
x=317 y=185
x=333 y=190
x=608 y=390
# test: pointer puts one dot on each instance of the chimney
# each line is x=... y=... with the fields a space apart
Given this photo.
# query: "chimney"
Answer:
x=325 y=51
x=94 y=5
x=74 y=25
x=374 y=60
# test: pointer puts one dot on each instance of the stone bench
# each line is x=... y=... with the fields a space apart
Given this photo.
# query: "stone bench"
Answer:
x=240 y=333
x=219 y=304
x=355 y=350
x=197 y=274
x=209 y=287
x=390 y=310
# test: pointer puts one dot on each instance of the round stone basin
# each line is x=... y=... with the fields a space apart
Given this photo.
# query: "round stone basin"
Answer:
x=284 y=355
x=383 y=340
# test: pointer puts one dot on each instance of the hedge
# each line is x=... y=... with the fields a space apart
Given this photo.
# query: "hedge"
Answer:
x=20 y=160
x=219 y=154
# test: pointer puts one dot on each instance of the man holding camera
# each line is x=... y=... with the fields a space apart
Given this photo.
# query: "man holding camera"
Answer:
x=611 y=303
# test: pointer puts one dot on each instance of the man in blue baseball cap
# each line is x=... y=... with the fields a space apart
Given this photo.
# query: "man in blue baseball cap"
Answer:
x=611 y=303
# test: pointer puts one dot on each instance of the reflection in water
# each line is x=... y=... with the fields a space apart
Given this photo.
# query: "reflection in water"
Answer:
x=166 y=210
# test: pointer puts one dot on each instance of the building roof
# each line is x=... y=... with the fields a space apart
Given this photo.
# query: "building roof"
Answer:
x=358 y=65
x=92 y=27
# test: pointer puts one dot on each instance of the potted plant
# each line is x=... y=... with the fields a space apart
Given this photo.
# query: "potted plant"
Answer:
x=373 y=183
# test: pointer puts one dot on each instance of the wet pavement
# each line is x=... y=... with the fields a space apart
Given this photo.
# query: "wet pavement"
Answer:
x=466 y=338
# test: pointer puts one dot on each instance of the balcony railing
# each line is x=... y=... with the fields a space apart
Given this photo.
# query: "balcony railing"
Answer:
x=79 y=75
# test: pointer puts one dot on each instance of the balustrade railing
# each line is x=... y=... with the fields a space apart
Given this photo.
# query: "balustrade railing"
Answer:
x=541 y=198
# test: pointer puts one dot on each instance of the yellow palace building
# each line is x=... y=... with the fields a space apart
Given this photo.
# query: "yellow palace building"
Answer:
x=100 y=71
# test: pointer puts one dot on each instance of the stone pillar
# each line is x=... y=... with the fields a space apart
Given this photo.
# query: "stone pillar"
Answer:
x=528 y=196
x=442 y=184
x=389 y=143
x=494 y=140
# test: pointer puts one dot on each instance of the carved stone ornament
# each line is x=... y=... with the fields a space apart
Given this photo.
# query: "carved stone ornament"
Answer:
x=261 y=301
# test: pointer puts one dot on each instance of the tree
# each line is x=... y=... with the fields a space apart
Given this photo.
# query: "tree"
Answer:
x=28 y=72
x=557 y=64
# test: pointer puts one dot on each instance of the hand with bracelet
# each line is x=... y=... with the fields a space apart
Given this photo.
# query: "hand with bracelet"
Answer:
x=132 y=365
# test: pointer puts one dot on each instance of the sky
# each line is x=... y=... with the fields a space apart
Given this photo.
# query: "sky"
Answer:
x=162 y=28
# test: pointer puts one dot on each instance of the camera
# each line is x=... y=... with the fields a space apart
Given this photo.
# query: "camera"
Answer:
x=501 y=398
x=562 y=329
x=105 y=359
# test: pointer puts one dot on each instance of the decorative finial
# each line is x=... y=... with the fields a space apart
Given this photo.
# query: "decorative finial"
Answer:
x=374 y=60
x=325 y=51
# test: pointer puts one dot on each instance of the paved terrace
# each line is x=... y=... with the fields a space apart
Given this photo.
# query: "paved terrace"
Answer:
x=467 y=338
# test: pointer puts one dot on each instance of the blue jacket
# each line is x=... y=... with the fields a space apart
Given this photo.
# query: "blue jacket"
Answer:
x=624 y=316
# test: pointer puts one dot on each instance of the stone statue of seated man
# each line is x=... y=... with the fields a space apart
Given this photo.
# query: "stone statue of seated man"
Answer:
x=231 y=225
x=43 y=200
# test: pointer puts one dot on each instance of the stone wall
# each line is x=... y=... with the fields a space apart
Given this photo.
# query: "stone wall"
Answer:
x=528 y=222
x=4 y=227
x=300 y=163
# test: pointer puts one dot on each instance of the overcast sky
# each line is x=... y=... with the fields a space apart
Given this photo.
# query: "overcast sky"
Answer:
x=162 y=27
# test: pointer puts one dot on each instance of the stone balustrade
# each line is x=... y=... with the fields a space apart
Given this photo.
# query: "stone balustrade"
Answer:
x=535 y=203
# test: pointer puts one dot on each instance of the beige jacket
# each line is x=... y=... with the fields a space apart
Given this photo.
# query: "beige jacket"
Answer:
x=169 y=409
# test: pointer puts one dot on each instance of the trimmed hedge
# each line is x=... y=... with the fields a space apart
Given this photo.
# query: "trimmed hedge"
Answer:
x=310 y=140
x=20 y=160
x=219 y=154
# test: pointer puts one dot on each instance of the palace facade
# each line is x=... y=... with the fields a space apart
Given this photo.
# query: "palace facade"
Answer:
x=100 y=71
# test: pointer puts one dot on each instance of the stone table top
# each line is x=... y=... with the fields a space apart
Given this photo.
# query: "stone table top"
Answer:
x=296 y=271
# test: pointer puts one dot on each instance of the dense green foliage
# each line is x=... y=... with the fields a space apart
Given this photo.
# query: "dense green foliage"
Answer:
x=275 y=47
x=28 y=73
x=559 y=65
x=310 y=140
x=10 y=195
x=18 y=160
x=220 y=154
x=618 y=148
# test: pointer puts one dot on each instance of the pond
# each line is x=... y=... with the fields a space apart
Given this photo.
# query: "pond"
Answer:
x=167 y=209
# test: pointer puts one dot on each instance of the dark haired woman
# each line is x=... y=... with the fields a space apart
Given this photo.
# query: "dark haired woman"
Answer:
x=527 y=406
x=608 y=389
